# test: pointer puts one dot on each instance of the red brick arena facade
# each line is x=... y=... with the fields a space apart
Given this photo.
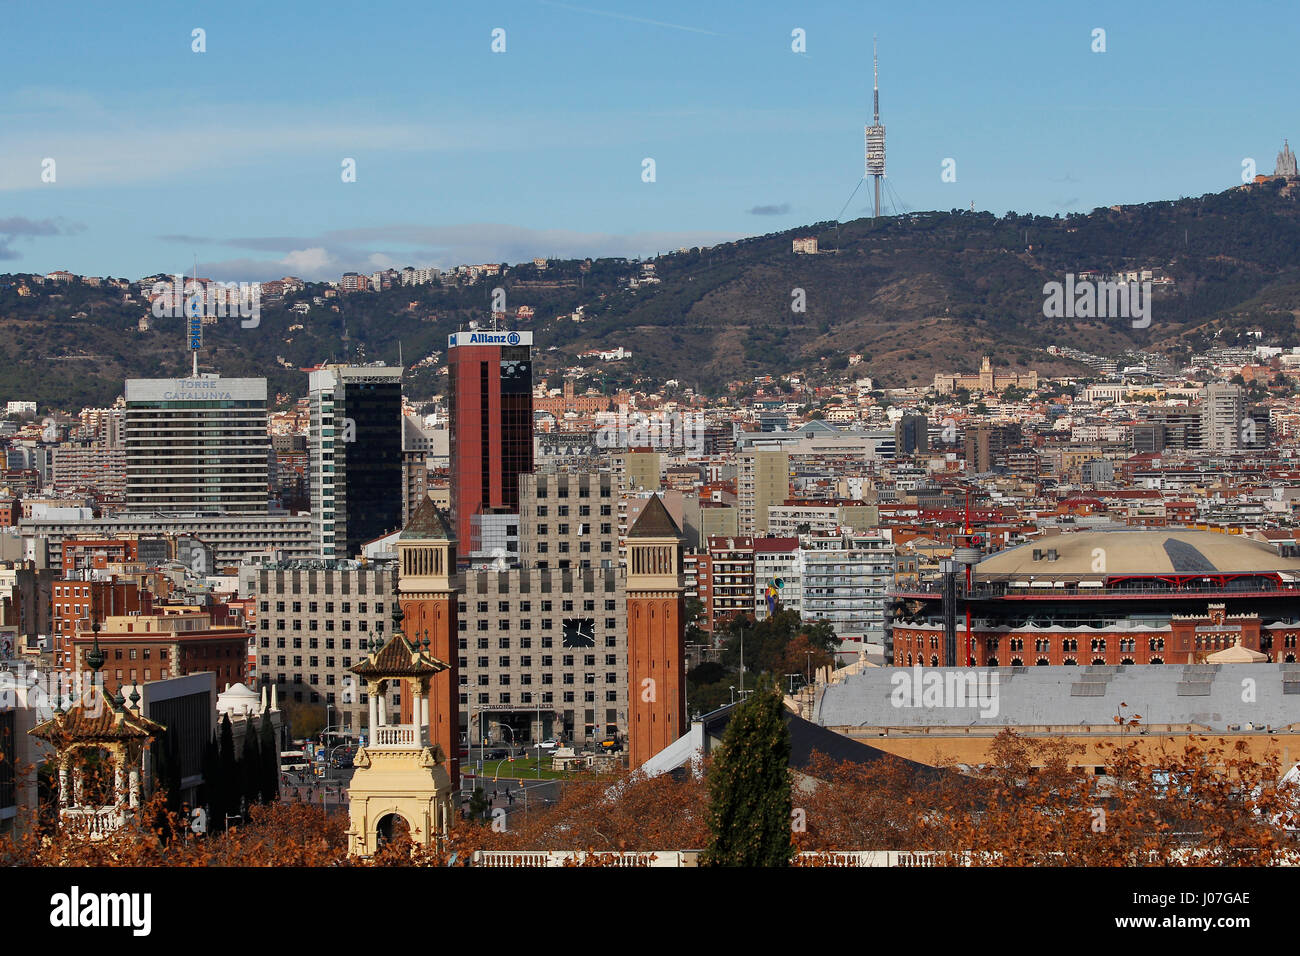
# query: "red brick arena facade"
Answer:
x=1107 y=598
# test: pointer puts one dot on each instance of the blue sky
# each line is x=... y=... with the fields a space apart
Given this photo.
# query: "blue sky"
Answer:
x=465 y=155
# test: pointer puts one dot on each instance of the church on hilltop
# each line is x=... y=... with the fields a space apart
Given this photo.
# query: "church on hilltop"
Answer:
x=1285 y=162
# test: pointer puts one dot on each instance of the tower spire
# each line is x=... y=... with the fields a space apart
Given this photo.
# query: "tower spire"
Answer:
x=875 y=133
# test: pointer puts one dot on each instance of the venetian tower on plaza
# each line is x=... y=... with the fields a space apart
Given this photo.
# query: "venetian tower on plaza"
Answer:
x=656 y=633
x=428 y=592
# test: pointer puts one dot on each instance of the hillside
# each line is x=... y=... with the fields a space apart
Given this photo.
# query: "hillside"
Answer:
x=915 y=294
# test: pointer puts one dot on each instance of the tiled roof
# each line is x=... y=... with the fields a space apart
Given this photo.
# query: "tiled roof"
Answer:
x=96 y=720
x=654 y=521
x=398 y=658
x=429 y=523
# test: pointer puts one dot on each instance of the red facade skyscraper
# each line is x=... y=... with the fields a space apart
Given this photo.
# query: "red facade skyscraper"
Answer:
x=490 y=401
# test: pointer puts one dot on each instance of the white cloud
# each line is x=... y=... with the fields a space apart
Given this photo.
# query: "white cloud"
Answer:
x=314 y=261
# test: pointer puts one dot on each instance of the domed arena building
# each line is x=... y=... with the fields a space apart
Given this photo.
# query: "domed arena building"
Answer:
x=1161 y=596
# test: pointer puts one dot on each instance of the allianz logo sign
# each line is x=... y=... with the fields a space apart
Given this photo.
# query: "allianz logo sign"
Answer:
x=484 y=338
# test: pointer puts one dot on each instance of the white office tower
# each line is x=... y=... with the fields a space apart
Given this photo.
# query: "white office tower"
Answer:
x=196 y=444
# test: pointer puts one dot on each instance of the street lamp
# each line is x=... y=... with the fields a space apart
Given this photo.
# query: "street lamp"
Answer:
x=497 y=723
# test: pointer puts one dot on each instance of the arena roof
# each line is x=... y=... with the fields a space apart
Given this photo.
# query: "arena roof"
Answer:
x=1206 y=695
x=1101 y=554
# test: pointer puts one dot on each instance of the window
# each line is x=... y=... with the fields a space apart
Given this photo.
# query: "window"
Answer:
x=611 y=695
x=503 y=607
x=482 y=607
x=483 y=661
x=503 y=661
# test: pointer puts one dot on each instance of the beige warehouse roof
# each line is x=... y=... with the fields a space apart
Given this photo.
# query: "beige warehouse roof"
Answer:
x=1101 y=554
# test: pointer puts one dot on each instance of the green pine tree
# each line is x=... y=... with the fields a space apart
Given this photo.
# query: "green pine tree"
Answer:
x=749 y=787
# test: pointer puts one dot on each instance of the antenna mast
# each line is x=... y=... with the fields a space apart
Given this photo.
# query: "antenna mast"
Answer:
x=875 y=133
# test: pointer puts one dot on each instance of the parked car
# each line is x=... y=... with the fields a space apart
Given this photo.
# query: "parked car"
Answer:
x=550 y=743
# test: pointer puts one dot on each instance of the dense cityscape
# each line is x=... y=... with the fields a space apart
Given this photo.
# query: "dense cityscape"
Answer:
x=500 y=494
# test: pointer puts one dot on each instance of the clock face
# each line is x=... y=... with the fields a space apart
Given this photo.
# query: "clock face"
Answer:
x=579 y=632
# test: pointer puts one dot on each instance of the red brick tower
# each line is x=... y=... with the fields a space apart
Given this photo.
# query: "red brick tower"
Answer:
x=656 y=632
x=427 y=590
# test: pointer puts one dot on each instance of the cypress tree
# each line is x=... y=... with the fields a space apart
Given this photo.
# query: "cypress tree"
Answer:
x=749 y=787
x=214 y=792
x=230 y=784
x=270 y=761
x=250 y=764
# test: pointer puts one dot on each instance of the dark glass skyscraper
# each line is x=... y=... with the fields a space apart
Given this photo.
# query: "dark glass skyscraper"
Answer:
x=490 y=404
x=355 y=448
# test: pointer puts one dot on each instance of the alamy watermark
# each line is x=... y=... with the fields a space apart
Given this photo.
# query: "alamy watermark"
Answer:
x=661 y=430
x=935 y=688
x=1086 y=299
x=214 y=300
x=46 y=688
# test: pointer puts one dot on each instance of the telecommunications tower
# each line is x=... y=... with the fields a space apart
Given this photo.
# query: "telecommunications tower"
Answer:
x=875 y=133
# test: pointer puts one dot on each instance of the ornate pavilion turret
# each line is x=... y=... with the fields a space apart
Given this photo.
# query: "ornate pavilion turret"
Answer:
x=400 y=778
x=99 y=742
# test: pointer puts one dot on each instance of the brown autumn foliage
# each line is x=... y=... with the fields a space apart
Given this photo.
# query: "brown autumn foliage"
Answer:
x=620 y=813
x=1203 y=805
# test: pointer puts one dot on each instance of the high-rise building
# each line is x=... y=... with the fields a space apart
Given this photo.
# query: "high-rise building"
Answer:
x=355 y=452
x=196 y=445
x=986 y=443
x=912 y=435
x=1223 y=417
x=763 y=480
x=490 y=406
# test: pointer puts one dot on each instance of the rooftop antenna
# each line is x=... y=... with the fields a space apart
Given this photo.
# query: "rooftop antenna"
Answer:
x=875 y=133
x=194 y=321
